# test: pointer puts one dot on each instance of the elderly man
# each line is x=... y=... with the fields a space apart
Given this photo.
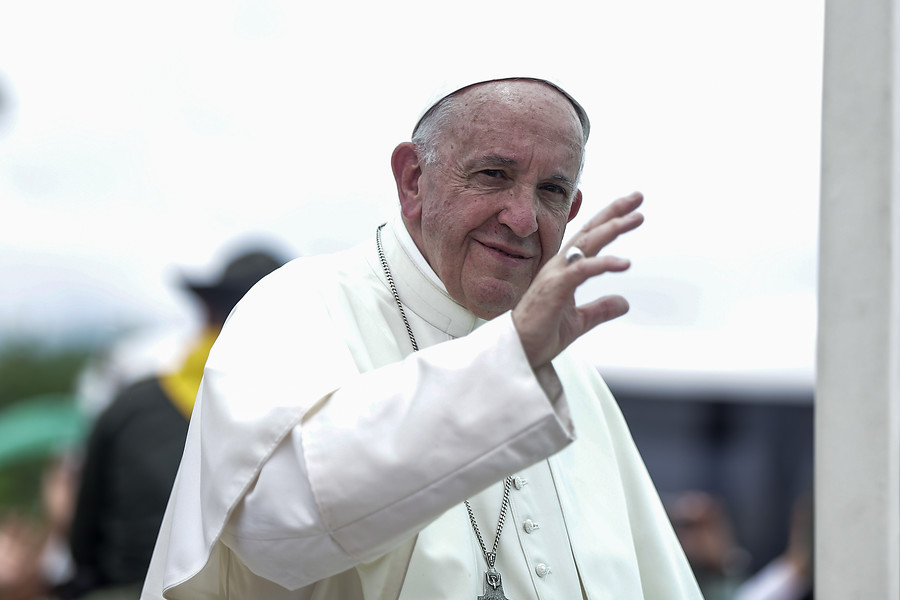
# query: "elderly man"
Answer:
x=399 y=420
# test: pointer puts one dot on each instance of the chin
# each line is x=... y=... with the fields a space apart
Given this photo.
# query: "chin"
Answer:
x=493 y=299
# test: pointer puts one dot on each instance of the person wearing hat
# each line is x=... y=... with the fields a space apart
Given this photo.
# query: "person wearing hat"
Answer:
x=135 y=448
x=402 y=420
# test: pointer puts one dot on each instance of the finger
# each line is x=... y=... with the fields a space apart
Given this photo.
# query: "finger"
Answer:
x=577 y=273
x=592 y=266
x=617 y=208
x=604 y=227
x=602 y=310
x=556 y=286
x=592 y=241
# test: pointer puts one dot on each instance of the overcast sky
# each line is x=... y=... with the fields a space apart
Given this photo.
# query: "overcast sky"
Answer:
x=139 y=141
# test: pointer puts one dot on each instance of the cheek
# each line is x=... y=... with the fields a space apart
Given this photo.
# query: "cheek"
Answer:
x=452 y=218
x=445 y=236
x=440 y=226
x=552 y=231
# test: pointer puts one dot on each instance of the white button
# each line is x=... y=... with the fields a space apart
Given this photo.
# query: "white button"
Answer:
x=519 y=483
x=541 y=569
x=530 y=526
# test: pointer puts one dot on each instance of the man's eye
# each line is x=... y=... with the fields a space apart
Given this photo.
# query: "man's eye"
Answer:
x=555 y=189
x=494 y=173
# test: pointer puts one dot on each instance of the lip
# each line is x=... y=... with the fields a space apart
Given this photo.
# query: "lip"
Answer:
x=505 y=252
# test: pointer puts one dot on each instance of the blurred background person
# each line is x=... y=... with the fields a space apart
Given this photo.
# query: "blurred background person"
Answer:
x=790 y=575
x=39 y=440
x=706 y=533
x=135 y=448
x=20 y=543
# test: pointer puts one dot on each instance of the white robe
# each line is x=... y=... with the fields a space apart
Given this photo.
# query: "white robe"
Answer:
x=326 y=460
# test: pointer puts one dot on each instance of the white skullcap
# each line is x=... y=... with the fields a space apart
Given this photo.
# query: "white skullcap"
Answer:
x=450 y=87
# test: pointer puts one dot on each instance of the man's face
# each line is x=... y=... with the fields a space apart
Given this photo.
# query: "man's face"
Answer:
x=495 y=205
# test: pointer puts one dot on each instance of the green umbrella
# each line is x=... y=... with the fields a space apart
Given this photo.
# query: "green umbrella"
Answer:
x=40 y=426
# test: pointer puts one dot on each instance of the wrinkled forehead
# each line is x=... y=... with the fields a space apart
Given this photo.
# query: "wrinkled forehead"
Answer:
x=453 y=90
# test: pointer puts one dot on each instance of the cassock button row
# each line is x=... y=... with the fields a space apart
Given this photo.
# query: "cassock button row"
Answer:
x=519 y=482
x=541 y=569
x=530 y=526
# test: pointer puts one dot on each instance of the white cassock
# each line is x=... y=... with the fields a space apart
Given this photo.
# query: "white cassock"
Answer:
x=327 y=461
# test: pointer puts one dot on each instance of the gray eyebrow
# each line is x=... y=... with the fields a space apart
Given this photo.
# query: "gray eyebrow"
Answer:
x=563 y=179
x=494 y=159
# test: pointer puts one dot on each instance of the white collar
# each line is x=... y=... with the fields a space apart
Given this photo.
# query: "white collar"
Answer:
x=420 y=289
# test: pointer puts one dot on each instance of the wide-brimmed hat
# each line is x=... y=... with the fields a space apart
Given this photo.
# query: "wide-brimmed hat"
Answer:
x=241 y=274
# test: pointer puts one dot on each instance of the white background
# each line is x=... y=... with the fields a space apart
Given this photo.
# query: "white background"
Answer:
x=140 y=141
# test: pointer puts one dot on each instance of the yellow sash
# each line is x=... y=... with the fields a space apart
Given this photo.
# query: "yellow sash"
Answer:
x=181 y=386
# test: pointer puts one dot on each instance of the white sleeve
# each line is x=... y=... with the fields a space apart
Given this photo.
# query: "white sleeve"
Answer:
x=392 y=450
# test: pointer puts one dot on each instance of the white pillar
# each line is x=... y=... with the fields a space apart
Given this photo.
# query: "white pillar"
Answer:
x=858 y=365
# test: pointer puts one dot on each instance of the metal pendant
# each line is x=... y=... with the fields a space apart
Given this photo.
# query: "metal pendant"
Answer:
x=493 y=587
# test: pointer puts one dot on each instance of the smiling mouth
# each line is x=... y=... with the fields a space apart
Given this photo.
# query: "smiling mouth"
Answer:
x=504 y=252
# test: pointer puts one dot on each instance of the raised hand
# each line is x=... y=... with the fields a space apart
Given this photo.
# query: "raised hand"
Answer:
x=546 y=317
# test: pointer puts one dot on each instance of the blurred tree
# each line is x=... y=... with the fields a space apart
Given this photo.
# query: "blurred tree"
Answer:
x=20 y=486
x=30 y=370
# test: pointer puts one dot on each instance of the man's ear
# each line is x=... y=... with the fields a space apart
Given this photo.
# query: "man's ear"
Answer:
x=407 y=171
x=576 y=206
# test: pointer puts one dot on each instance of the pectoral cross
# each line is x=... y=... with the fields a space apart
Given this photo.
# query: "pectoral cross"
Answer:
x=493 y=587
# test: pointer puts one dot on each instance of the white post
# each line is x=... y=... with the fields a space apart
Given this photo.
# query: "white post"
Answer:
x=858 y=365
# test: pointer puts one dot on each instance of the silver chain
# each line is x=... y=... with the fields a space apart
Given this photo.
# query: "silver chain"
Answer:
x=390 y=279
x=489 y=557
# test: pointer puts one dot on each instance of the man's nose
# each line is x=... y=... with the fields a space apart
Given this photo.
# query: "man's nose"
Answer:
x=519 y=211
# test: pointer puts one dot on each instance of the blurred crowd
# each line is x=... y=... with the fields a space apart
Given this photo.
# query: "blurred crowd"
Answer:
x=102 y=500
